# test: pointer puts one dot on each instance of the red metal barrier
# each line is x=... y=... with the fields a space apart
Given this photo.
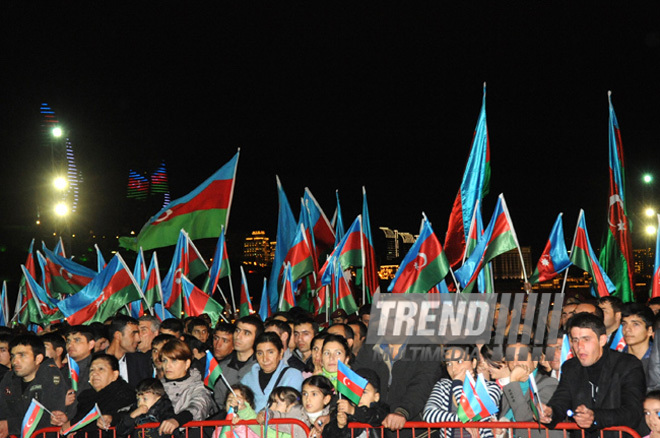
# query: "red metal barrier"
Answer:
x=421 y=428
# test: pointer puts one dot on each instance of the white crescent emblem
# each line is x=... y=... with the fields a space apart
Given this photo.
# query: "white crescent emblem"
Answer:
x=164 y=216
x=344 y=381
x=64 y=273
x=615 y=199
x=422 y=256
x=177 y=276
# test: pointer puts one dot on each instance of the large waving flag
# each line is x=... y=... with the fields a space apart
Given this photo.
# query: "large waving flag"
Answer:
x=474 y=186
x=475 y=403
x=369 y=274
x=202 y=212
x=555 y=256
x=286 y=230
x=171 y=285
x=31 y=418
x=64 y=276
x=4 y=306
x=41 y=309
x=111 y=289
x=349 y=383
x=338 y=222
x=655 y=285
x=584 y=257
x=220 y=267
x=485 y=279
x=423 y=267
x=140 y=274
x=100 y=260
x=153 y=292
x=245 y=306
x=498 y=238
x=91 y=416
x=617 y=253
x=196 y=302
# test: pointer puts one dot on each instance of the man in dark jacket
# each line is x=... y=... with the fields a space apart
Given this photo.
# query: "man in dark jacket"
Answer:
x=405 y=381
x=33 y=376
x=599 y=387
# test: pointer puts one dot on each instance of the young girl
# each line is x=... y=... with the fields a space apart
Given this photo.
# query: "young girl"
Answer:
x=442 y=404
x=317 y=393
x=284 y=402
x=241 y=402
x=651 y=412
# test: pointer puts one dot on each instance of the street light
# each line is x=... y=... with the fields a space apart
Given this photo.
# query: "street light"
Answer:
x=61 y=209
x=650 y=230
x=650 y=212
x=60 y=183
x=647 y=178
x=57 y=132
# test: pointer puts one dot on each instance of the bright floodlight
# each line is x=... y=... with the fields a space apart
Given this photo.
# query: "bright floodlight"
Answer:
x=650 y=230
x=61 y=209
x=57 y=132
x=647 y=178
x=649 y=212
x=60 y=183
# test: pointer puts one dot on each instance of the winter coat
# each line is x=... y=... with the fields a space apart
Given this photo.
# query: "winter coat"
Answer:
x=290 y=377
x=189 y=394
x=159 y=412
x=115 y=398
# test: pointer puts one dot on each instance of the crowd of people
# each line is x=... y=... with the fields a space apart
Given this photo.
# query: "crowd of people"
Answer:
x=145 y=370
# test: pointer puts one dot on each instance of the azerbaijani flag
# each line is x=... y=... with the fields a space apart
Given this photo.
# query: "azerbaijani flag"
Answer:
x=474 y=186
x=264 y=306
x=212 y=371
x=245 y=306
x=485 y=279
x=91 y=416
x=31 y=419
x=350 y=252
x=64 y=276
x=287 y=298
x=534 y=398
x=202 y=212
x=4 y=306
x=424 y=266
x=323 y=236
x=196 y=302
x=498 y=238
x=655 y=286
x=369 y=278
x=618 y=343
x=616 y=257
x=349 y=383
x=300 y=254
x=554 y=258
x=220 y=267
x=338 y=221
x=153 y=292
x=566 y=353
x=100 y=261
x=42 y=308
x=111 y=289
x=286 y=230
x=584 y=257
x=475 y=403
x=74 y=372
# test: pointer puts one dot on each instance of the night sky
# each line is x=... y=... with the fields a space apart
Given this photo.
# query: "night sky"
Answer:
x=335 y=96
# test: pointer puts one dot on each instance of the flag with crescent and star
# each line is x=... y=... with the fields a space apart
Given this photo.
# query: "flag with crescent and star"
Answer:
x=111 y=289
x=368 y=276
x=201 y=212
x=195 y=302
x=554 y=258
x=424 y=266
x=498 y=238
x=349 y=383
x=90 y=417
x=616 y=257
x=584 y=257
x=474 y=185
x=63 y=276
x=31 y=418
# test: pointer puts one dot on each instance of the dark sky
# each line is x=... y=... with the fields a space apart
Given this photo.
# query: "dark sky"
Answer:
x=336 y=96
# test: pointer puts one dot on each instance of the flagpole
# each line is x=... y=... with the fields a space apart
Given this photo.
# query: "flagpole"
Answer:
x=223 y=295
x=563 y=286
x=364 y=259
x=231 y=292
x=135 y=283
x=160 y=288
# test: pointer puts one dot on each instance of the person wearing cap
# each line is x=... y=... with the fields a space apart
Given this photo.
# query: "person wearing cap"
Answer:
x=339 y=316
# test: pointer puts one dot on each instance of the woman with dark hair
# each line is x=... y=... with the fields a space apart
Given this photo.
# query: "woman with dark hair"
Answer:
x=183 y=385
x=335 y=349
x=317 y=354
x=270 y=371
x=108 y=390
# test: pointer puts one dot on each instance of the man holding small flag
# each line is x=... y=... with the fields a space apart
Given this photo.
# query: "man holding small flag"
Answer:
x=33 y=376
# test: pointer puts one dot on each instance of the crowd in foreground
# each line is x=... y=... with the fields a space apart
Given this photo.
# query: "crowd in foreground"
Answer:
x=147 y=371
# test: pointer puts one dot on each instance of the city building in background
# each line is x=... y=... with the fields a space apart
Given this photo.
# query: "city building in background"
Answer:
x=258 y=250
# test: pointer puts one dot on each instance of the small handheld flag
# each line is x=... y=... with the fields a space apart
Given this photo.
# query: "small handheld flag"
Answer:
x=534 y=398
x=213 y=370
x=475 y=404
x=74 y=373
x=31 y=419
x=618 y=343
x=91 y=416
x=349 y=383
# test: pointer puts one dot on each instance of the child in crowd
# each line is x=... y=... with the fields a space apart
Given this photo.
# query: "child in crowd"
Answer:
x=369 y=410
x=240 y=401
x=317 y=394
x=152 y=406
x=284 y=402
x=652 y=412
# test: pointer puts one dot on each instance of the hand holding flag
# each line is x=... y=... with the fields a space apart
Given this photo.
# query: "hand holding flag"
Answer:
x=349 y=383
x=92 y=415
